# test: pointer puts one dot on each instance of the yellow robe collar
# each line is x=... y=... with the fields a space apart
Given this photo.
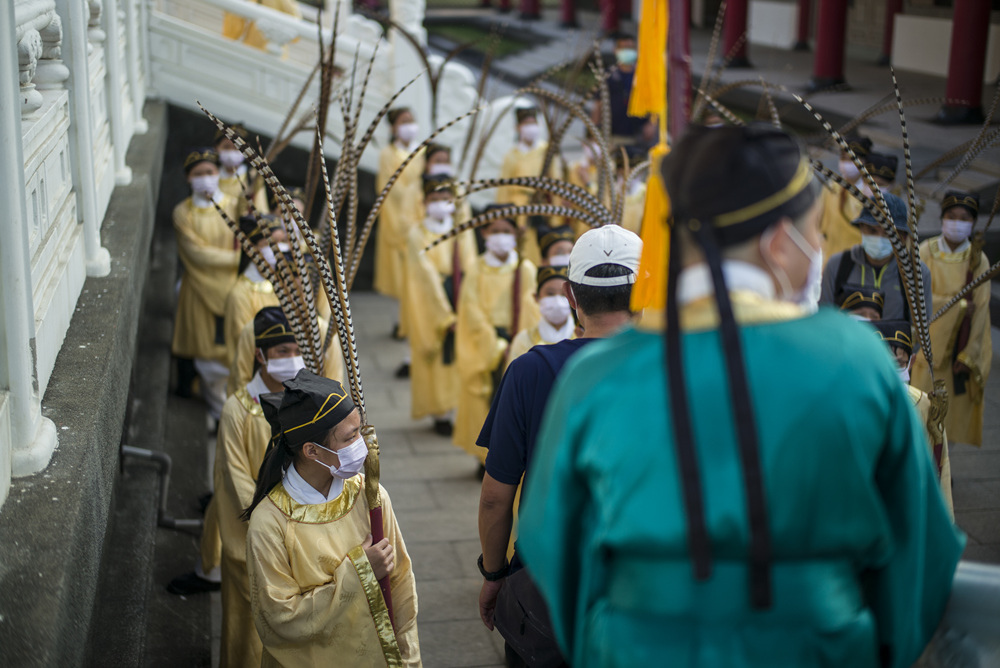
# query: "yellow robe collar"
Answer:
x=749 y=308
x=317 y=513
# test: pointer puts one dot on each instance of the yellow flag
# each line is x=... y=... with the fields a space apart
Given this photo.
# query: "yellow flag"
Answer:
x=649 y=96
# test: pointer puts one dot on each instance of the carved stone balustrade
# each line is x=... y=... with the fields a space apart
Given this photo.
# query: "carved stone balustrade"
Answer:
x=39 y=51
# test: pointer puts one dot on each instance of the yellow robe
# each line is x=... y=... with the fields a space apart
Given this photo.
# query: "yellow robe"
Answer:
x=485 y=302
x=520 y=163
x=241 y=370
x=583 y=175
x=524 y=341
x=234 y=185
x=394 y=220
x=245 y=299
x=964 y=421
x=635 y=203
x=923 y=405
x=839 y=209
x=433 y=384
x=237 y=27
x=243 y=437
x=206 y=248
x=315 y=598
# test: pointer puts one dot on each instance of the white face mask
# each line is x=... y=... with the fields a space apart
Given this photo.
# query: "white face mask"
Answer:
x=559 y=261
x=875 y=247
x=803 y=295
x=956 y=231
x=588 y=154
x=284 y=248
x=555 y=309
x=440 y=169
x=501 y=244
x=440 y=210
x=205 y=185
x=529 y=133
x=268 y=255
x=904 y=375
x=849 y=170
x=231 y=158
x=407 y=132
x=352 y=459
x=285 y=368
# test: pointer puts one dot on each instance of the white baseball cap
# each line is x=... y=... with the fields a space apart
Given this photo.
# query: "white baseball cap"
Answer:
x=609 y=244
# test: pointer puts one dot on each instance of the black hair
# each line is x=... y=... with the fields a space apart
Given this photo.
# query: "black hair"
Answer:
x=598 y=299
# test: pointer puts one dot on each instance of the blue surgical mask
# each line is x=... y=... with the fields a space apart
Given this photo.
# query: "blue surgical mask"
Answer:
x=875 y=247
x=627 y=56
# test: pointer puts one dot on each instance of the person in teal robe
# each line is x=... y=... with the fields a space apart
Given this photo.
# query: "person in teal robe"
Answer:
x=807 y=532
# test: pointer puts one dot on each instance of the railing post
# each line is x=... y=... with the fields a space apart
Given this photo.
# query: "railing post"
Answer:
x=81 y=137
x=115 y=83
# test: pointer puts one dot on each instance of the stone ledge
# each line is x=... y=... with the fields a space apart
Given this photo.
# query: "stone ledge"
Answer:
x=54 y=523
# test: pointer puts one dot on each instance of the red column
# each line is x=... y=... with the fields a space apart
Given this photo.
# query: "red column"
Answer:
x=805 y=13
x=679 y=67
x=609 y=16
x=567 y=13
x=734 y=27
x=967 y=62
x=831 y=34
x=531 y=9
x=892 y=7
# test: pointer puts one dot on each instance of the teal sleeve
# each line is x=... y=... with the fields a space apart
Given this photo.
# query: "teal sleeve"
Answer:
x=910 y=588
x=551 y=516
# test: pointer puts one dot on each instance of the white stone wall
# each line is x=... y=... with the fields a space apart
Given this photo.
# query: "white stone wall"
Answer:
x=66 y=119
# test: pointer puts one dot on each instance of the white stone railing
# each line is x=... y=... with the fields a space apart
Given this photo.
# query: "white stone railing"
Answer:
x=72 y=100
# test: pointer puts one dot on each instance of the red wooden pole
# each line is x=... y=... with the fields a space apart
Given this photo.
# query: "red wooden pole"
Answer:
x=567 y=14
x=967 y=62
x=735 y=27
x=892 y=7
x=609 y=16
x=831 y=34
x=679 y=67
x=531 y=9
x=805 y=13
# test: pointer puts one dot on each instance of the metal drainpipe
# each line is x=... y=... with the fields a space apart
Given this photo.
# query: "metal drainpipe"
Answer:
x=17 y=371
x=164 y=464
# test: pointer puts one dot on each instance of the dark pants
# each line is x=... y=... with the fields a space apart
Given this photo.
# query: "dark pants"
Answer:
x=515 y=661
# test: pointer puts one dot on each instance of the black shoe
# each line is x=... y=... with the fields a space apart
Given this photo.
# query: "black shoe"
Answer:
x=443 y=427
x=396 y=335
x=203 y=502
x=190 y=584
x=403 y=370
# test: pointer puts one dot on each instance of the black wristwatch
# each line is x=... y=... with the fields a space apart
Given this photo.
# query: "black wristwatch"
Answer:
x=495 y=575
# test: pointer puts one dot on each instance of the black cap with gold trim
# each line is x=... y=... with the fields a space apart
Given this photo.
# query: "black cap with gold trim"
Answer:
x=438 y=183
x=855 y=297
x=882 y=165
x=896 y=333
x=523 y=113
x=200 y=154
x=861 y=145
x=968 y=201
x=546 y=273
x=393 y=114
x=271 y=328
x=310 y=407
x=548 y=236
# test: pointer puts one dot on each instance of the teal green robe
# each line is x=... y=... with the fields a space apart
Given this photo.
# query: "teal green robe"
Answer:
x=863 y=548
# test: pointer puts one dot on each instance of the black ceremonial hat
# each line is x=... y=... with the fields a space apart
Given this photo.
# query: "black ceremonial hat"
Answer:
x=310 y=407
x=200 y=154
x=547 y=236
x=855 y=297
x=969 y=201
x=548 y=272
x=880 y=164
x=270 y=328
x=896 y=333
x=438 y=183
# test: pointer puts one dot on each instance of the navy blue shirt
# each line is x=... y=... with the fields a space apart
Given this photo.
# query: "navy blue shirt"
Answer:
x=511 y=427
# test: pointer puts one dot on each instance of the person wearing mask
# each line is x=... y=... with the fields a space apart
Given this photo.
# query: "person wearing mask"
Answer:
x=840 y=208
x=243 y=439
x=489 y=316
x=960 y=338
x=872 y=265
x=526 y=158
x=313 y=570
x=638 y=134
x=555 y=244
x=673 y=517
x=897 y=336
x=556 y=322
x=252 y=292
x=432 y=285
x=598 y=286
x=210 y=257
x=235 y=179
x=392 y=229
